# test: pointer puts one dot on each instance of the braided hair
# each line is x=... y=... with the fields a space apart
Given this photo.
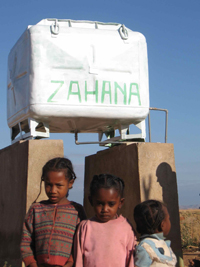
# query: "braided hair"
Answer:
x=106 y=181
x=59 y=164
x=56 y=165
x=148 y=216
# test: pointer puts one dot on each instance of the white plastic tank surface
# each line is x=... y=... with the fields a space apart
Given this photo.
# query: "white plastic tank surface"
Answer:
x=79 y=76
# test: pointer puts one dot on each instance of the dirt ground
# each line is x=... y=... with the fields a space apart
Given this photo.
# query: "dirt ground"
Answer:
x=191 y=257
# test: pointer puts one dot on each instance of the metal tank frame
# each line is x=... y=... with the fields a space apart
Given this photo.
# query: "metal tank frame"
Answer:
x=32 y=129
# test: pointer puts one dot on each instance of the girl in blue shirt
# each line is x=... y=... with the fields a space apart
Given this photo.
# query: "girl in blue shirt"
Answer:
x=153 y=223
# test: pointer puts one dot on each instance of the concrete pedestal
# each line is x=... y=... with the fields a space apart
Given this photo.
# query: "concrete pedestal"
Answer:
x=20 y=174
x=148 y=170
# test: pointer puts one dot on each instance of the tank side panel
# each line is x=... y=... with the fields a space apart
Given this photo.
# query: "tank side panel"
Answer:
x=18 y=80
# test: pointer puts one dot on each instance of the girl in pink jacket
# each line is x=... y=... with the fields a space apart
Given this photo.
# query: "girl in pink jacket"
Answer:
x=106 y=239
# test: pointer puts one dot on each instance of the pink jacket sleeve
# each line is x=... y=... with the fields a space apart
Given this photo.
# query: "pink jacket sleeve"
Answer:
x=78 y=245
x=130 y=250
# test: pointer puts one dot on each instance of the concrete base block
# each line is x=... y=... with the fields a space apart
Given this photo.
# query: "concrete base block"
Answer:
x=21 y=168
x=40 y=151
x=148 y=170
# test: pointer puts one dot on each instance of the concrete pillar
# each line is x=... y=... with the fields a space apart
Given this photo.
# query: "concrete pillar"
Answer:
x=148 y=170
x=20 y=174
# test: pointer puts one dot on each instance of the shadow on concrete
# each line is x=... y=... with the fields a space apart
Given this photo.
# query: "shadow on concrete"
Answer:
x=167 y=180
x=147 y=185
x=12 y=203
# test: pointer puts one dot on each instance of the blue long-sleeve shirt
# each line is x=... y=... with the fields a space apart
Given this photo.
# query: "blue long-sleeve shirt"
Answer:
x=153 y=250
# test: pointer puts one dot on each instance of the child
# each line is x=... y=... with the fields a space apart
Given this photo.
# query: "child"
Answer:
x=106 y=239
x=50 y=225
x=153 y=223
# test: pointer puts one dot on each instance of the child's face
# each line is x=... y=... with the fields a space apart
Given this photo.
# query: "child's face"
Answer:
x=56 y=187
x=106 y=202
x=166 y=224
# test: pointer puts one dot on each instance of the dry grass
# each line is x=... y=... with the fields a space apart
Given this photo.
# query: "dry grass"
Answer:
x=190 y=236
x=190 y=227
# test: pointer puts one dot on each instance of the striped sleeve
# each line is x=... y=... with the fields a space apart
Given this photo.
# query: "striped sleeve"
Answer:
x=81 y=212
x=27 y=242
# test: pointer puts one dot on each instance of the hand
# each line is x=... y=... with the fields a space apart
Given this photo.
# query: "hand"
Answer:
x=191 y=263
x=68 y=264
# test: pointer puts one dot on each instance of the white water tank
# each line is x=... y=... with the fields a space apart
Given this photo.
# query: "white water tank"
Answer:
x=77 y=76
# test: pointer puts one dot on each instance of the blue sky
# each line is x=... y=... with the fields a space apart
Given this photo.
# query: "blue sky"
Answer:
x=172 y=32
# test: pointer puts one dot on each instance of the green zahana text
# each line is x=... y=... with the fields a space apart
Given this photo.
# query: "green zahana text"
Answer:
x=128 y=93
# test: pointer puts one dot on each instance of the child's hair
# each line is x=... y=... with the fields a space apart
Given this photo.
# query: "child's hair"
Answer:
x=57 y=165
x=148 y=216
x=106 y=181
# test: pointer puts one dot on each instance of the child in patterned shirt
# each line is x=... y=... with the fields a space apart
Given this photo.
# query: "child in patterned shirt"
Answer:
x=50 y=225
